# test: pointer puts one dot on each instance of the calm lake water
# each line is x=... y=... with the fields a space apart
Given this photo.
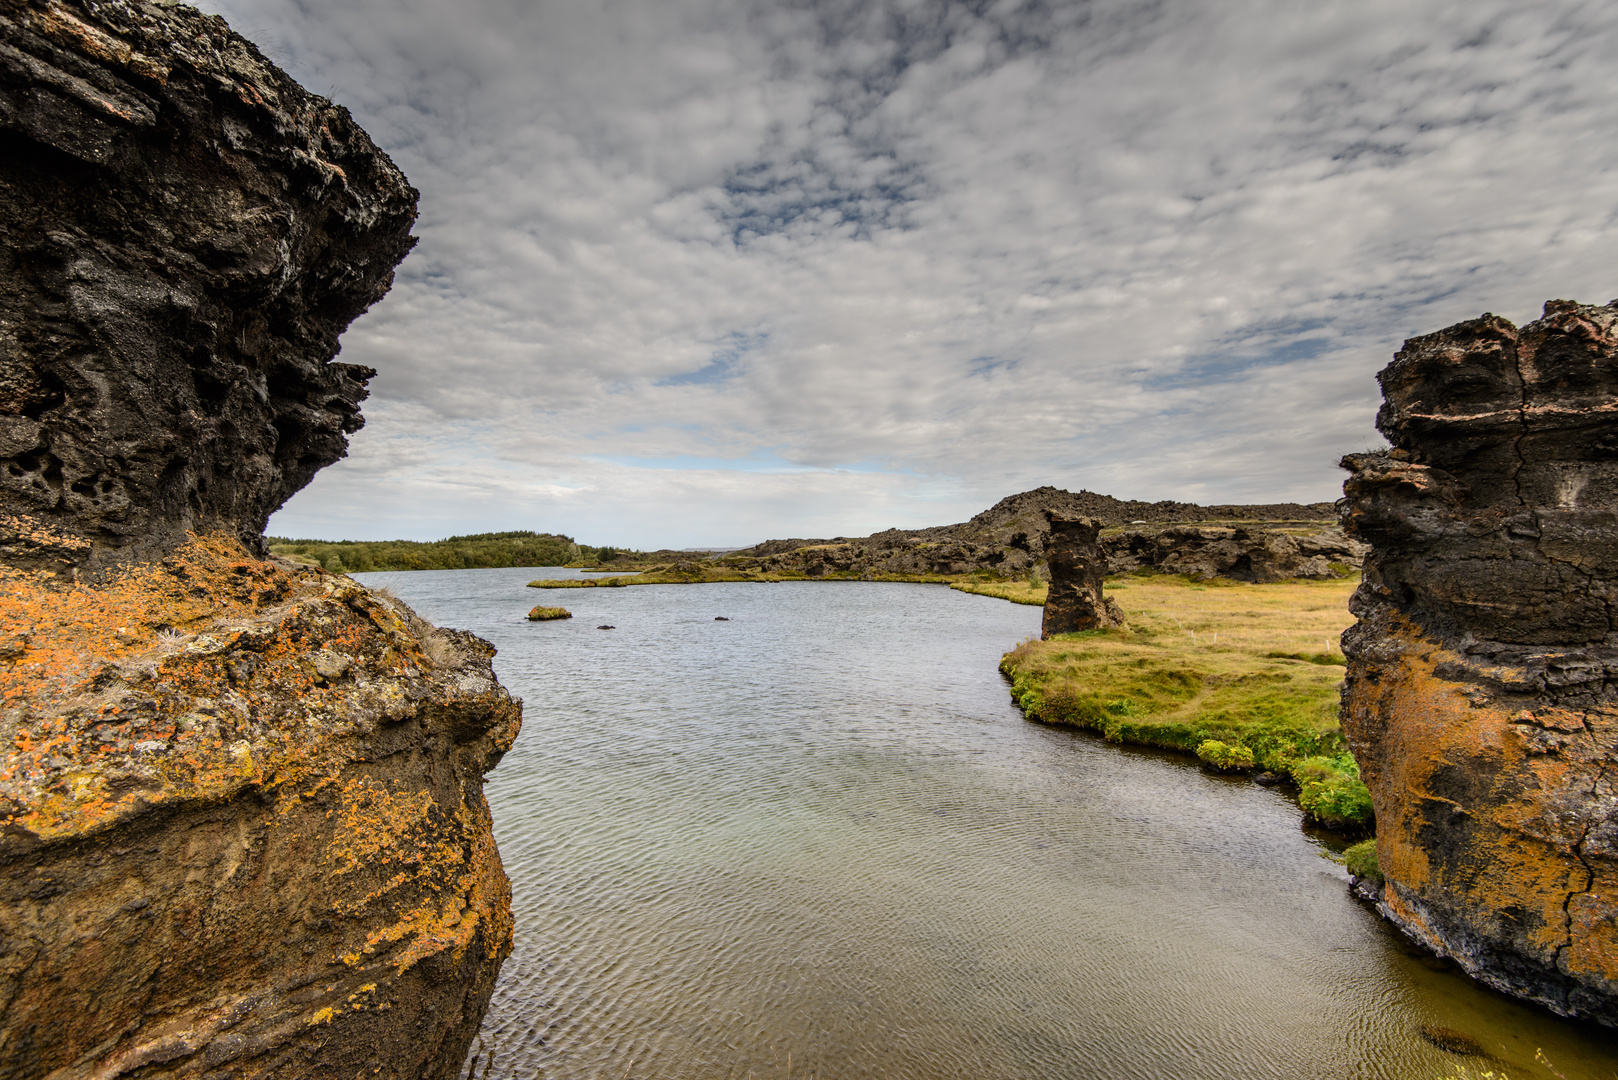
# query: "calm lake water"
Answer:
x=817 y=840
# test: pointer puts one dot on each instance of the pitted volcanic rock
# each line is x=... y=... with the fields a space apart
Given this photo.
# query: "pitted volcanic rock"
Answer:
x=242 y=824
x=1482 y=690
x=1074 y=601
x=187 y=233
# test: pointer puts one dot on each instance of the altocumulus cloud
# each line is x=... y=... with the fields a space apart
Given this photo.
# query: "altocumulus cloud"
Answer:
x=703 y=271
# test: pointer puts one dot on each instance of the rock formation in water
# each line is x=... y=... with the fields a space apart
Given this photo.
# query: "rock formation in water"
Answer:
x=187 y=232
x=1482 y=691
x=1074 y=601
x=242 y=824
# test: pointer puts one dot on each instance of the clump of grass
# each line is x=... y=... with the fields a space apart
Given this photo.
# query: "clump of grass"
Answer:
x=1225 y=757
x=543 y=614
x=1360 y=860
x=1238 y=665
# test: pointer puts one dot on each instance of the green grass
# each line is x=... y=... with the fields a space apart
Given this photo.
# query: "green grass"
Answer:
x=476 y=551
x=1203 y=662
x=1360 y=860
x=1018 y=592
x=545 y=614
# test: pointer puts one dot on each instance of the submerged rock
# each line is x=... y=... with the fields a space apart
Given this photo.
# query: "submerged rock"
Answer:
x=1074 y=601
x=1482 y=690
x=242 y=824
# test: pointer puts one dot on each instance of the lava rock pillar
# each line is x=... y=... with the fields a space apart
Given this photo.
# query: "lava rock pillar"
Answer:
x=1077 y=567
x=1482 y=691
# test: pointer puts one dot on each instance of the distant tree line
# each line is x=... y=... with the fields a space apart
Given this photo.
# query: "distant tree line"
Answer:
x=476 y=551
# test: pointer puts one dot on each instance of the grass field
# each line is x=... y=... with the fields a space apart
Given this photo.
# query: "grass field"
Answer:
x=1242 y=675
x=1018 y=592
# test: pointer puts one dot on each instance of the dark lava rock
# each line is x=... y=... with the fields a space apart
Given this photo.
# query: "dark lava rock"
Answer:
x=1482 y=689
x=720 y=618
x=1239 y=553
x=606 y=626
x=242 y=823
x=1009 y=539
x=187 y=233
x=1074 y=601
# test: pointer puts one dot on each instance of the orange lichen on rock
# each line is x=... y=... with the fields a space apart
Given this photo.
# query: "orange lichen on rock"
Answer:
x=191 y=678
x=1482 y=689
x=316 y=751
x=219 y=776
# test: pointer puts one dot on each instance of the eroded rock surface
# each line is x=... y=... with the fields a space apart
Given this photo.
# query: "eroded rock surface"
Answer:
x=1241 y=553
x=1482 y=692
x=187 y=231
x=242 y=824
x=1074 y=601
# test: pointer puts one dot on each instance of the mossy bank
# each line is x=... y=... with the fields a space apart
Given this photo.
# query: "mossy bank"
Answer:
x=1246 y=677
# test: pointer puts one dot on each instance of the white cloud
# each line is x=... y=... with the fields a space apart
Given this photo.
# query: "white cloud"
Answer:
x=1158 y=250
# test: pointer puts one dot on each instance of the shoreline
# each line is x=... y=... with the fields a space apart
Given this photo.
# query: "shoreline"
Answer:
x=1205 y=670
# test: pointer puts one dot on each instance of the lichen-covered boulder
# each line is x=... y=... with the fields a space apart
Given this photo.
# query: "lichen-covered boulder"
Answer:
x=242 y=826
x=1482 y=690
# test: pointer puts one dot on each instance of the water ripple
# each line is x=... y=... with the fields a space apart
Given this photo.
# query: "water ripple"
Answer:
x=820 y=834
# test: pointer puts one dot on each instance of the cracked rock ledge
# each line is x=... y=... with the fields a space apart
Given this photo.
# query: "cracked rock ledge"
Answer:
x=242 y=823
x=1482 y=690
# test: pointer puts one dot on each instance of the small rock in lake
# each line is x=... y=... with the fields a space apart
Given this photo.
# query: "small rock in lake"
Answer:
x=1268 y=779
x=720 y=618
x=1447 y=1038
x=606 y=626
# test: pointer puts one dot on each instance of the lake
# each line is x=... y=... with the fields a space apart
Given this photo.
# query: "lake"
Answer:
x=818 y=840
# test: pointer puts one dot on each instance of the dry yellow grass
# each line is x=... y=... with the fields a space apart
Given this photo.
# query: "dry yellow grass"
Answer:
x=1298 y=617
x=1255 y=666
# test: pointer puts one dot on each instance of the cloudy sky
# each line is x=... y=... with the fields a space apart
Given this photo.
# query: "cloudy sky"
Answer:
x=709 y=271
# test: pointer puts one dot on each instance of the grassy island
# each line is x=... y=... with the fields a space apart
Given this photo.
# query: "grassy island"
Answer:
x=1243 y=676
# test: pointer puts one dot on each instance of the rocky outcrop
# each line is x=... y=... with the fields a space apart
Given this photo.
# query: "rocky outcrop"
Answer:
x=1482 y=690
x=242 y=824
x=187 y=233
x=1009 y=539
x=1074 y=601
x=1239 y=553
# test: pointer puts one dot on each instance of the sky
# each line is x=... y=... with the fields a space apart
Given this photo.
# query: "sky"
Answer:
x=704 y=272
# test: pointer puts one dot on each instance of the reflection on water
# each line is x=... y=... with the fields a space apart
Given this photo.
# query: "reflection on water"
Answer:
x=819 y=837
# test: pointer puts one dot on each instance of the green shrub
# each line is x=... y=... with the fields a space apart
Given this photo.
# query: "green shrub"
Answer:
x=1225 y=757
x=522 y=548
x=1360 y=860
x=1338 y=802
